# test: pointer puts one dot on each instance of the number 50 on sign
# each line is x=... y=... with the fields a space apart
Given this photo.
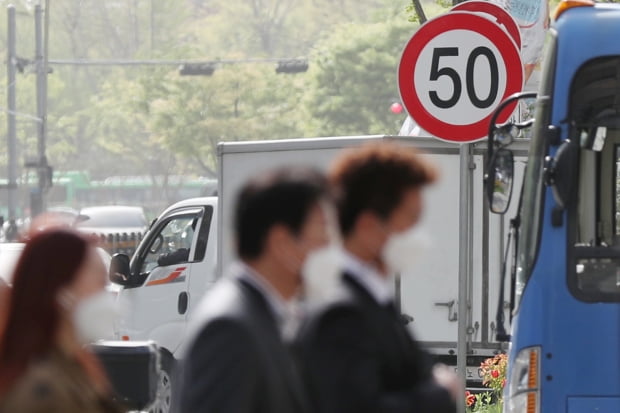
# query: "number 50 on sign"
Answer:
x=455 y=71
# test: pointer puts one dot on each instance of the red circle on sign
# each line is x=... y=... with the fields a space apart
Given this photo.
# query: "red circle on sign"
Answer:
x=503 y=17
x=433 y=28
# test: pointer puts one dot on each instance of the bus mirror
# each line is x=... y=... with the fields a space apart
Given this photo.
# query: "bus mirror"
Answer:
x=502 y=135
x=499 y=180
x=119 y=269
x=560 y=173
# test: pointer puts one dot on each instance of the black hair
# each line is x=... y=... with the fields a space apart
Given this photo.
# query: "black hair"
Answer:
x=374 y=178
x=282 y=196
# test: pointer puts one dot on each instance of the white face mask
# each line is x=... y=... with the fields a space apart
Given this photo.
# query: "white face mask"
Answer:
x=321 y=271
x=402 y=250
x=94 y=317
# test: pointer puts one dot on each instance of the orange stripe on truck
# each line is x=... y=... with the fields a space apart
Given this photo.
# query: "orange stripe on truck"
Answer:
x=170 y=278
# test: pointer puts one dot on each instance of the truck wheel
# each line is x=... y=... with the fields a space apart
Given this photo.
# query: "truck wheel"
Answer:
x=163 y=402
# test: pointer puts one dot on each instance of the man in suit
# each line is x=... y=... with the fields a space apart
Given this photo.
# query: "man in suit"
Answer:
x=358 y=357
x=238 y=361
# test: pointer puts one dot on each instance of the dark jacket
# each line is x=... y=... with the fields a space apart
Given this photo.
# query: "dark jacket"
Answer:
x=237 y=362
x=358 y=357
x=56 y=383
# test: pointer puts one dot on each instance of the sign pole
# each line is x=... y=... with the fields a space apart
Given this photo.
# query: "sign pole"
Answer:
x=465 y=199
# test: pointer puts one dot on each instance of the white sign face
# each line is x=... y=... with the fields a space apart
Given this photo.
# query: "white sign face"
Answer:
x=455 y=71
x=460 y=76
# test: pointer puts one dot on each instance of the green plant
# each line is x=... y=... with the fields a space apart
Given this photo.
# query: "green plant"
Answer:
x=483 y=403
x=493 y=372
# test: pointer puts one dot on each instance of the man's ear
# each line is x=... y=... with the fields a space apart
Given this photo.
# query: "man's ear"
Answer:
x=278 y=240
x=370 y=227
x=368 y=222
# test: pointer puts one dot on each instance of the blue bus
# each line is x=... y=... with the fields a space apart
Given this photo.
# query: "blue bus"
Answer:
x=564 y=259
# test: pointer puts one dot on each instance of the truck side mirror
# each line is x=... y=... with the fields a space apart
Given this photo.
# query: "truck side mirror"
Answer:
x=499 y=180
x=119 y=269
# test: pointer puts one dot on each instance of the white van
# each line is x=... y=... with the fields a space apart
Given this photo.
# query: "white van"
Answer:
x=169 y=272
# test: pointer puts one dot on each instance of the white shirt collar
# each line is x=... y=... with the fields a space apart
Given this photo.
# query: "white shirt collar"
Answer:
x=381 y=288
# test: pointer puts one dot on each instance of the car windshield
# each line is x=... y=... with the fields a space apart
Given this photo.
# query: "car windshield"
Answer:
x=121 y=217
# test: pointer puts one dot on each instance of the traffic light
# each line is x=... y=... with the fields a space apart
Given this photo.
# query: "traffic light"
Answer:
x=196 y=69
x=292 y=66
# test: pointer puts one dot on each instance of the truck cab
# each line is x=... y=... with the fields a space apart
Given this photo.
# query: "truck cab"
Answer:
x=565 y=333
x=170 y=271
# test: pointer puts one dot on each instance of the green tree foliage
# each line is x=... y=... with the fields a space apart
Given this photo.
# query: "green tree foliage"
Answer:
x=239 y=102
x=354 y=79
x=149 y=120
x=276 y=28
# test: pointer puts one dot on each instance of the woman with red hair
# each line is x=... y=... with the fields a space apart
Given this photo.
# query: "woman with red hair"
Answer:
x=56 y=305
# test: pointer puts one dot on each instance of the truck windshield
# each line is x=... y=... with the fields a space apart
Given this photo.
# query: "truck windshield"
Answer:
x=532 y=192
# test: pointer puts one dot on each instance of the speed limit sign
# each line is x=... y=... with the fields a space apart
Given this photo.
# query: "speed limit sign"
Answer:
x=495 y=13
x=454 y=71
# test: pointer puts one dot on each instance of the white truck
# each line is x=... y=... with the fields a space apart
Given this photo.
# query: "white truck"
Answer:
x=190 y=245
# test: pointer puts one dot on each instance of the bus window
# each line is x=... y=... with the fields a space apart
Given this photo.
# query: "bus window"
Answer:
x=597 y=238
x=594 y=119
x=616 y=229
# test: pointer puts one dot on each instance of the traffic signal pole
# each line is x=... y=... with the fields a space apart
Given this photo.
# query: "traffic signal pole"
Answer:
x=37 y=204
x=11 y=106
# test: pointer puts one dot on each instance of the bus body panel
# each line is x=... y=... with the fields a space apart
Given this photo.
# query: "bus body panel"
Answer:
x=579 y=341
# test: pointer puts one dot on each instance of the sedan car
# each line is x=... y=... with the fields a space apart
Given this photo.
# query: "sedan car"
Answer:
x=112 y=219
x=11 y=251
x=119 y=227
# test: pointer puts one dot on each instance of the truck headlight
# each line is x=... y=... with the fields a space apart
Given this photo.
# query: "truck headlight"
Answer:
x=523 y=391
